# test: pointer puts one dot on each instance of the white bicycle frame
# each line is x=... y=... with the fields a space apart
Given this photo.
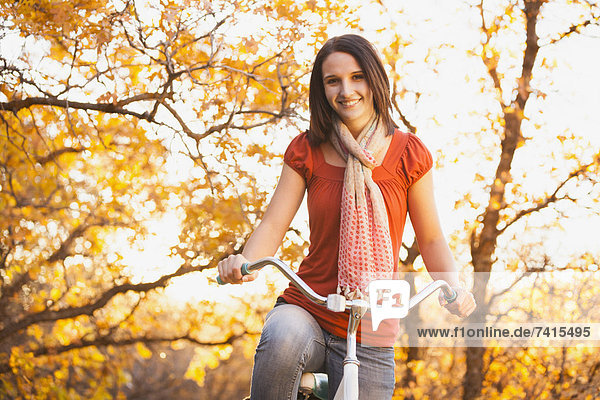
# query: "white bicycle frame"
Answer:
x=348 y=389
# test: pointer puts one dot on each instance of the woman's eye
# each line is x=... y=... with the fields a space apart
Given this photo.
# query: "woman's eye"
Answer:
x=331 y=81
x=358 y=77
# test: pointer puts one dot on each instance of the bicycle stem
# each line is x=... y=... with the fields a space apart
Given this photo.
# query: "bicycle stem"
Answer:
x=357 y=311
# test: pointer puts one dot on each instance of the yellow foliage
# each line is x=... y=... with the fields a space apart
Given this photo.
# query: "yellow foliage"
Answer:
x=35 y=331
x=196 y=373
x=60 y=374
x=143 y=351
x=97 y=357
x=85 y=180
x=36 y=308
x=55 y=293
x=417 y=366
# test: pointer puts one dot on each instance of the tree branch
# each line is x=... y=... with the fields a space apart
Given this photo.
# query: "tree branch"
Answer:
x=405 y=121
x=490 y=63
x=63 y=251
x=552 y=198
x=512 y=285
x=88 y=309
x=57 y=153
x=574 y=28
x=412 y=253
x=109 y=340
x=9 y=290
x=17 y=105
x=532 y=9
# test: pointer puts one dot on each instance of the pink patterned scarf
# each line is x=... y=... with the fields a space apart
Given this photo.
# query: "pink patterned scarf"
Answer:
x=365 y=243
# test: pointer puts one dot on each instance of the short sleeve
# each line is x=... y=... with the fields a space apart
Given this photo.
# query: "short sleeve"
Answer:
x=299 y=156
x=416 y=160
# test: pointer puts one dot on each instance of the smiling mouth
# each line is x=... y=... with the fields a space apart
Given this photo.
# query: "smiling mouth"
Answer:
x=349 y=103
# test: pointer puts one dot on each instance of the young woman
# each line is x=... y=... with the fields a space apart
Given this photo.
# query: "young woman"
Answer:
x=362 y=176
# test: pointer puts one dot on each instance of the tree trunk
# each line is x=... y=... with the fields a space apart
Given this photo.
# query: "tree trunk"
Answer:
x=413 y=351
x=475 y=373
x=412 y=319
x=484 y=242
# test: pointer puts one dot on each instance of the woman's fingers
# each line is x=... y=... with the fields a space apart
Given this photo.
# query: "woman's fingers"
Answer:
x=464 y=304
x=250 y=277
x=230 y=270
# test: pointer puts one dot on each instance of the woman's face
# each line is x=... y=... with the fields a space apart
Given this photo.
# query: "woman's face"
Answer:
x=347 y=90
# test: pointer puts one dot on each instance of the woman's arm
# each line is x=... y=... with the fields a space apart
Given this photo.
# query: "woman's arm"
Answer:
x=267 y=237
x=426 y=223
x=432 y=244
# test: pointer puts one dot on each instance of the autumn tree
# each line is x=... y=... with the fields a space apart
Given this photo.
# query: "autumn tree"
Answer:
x=519 y=96
x=117 y=114
x=114 y=114
x=509 y=73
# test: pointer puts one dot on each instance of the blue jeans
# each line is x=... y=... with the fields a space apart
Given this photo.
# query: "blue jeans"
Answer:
x=292 y=342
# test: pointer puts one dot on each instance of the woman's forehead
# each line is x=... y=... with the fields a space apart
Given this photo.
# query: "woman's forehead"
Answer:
x=339 y=63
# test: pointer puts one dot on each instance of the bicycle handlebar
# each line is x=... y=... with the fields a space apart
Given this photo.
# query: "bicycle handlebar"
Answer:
x=333 y=301
x=306 y=290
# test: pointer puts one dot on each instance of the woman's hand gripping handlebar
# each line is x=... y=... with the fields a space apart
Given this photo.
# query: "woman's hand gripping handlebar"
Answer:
x=230 y=270
x=248 y=268
x=244 y=271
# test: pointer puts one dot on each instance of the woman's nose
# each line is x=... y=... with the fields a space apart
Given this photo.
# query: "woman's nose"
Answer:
x=345 y=88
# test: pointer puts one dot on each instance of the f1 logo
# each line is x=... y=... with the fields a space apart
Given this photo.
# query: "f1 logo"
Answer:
x=389 y=299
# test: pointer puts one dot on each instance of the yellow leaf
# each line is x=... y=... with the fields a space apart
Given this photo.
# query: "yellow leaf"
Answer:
x=195 y=372
x=38 y=308
x=60 y=374
x=99 y=357
x=55 y=294
x=212 y=363
x=143 y=351
x=35 y=331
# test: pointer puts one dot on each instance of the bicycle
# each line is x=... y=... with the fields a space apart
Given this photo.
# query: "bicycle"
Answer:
x=315 y=384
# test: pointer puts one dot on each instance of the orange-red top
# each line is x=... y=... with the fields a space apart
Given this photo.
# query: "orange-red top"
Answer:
x=406 y=160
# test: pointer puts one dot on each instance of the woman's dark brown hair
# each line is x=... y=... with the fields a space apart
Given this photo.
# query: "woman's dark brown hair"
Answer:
x=321 y=121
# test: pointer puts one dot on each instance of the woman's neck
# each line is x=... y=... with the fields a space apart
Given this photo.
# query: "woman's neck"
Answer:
x=356 y=130
x=356 y=127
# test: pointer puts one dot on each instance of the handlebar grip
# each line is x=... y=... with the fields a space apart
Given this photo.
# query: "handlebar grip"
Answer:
x=451 y=298
x=244 y=270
